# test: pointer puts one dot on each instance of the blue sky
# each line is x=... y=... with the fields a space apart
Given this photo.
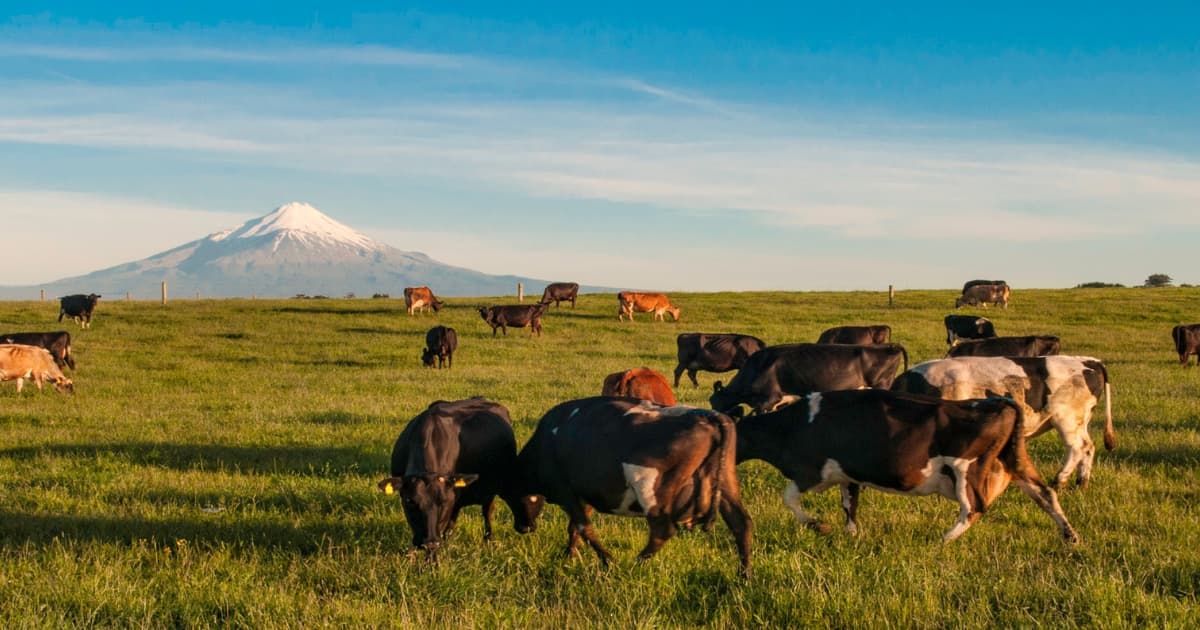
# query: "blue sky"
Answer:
x=674 y=146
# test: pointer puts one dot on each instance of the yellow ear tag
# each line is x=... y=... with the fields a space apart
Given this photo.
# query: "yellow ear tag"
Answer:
x=459 y=483
x=388 y=489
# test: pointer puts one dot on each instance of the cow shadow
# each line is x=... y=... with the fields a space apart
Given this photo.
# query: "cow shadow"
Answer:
x=353 y=363
x=265 y=531
x=317 y=461
x=1176 y=455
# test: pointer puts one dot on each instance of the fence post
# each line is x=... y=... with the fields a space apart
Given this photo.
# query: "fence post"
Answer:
x=891 y=295
x=43 y=295
x=520 y=292
x=127 y=297
x=164 y=292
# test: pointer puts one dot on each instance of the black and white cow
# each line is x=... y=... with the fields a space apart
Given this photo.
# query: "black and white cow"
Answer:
x=713 y=352
x=858 y=335
x=984 y=292
x=1187 y=342
x=1028 y=346
x=966 y=451
x=967 y=327
x=674 y=466
x=452 y=455
x=791 y=369
x=1055 y=392
x=78 y=307
x=57 y=343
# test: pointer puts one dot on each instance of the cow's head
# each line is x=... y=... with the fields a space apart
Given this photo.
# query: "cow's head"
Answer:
x=64 y=385
x=674 y=311
x=959 y=301
x=428 y=501
x=427 y=357
x=437 y=305
x=722 y=399
x=484 y=312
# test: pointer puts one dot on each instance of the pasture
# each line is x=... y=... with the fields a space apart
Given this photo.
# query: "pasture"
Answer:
x=217 y=466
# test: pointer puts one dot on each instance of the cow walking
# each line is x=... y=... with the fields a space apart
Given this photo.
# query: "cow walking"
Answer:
x=984 y=292
x=966 y=451
x=1054 y=392
x=629 y=302
x=515 y=315
x=673 y=466
x=78 y=307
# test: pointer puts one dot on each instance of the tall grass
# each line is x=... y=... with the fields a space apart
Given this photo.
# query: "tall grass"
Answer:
x=217 y=467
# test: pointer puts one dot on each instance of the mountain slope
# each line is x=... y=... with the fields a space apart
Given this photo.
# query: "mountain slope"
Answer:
x=294 y=249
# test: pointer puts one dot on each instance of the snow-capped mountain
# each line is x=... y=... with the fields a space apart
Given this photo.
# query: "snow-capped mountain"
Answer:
x=294 y=249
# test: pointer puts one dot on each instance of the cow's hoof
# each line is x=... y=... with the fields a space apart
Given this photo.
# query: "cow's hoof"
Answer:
x=821 y=528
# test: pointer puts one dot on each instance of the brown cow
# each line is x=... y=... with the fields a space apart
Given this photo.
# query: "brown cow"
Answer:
x=1187 y=342
x=18 y=362
x=421 y=298
x=982 y=292
x=631 y=302
x=641 y=383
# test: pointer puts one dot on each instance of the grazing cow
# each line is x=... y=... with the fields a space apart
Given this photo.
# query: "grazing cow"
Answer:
x=1187 y=342
x=515 y=315
x=1030 y=346
x=58 y=343
x=420 y=298
x=776 y=371
x=440 y=342
x=1055 y=392
x=981 y=293
x=967 y=327
x=966 y=451
x=713 y=352
x=19 y=362
x=560 y=291
x=641 y=383
x=452 y=455
x=658 y=303
x=672 y=465
x=78 y=307
x=857 y=335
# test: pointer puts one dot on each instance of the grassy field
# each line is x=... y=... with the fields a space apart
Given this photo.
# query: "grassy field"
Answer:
x=217 y=466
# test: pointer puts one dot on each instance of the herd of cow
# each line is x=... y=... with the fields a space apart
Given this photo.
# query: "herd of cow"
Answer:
x=846 y=411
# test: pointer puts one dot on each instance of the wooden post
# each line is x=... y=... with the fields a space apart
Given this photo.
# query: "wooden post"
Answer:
x=164 y=291
x=520 y=292
x=127 y=297
x=43 y=295
x=197 y=295
x=891 y=295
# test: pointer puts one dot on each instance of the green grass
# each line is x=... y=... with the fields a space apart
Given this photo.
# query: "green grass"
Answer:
x=217 y=466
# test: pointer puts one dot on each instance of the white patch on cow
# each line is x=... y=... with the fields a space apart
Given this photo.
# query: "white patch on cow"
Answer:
x=814 y=406
x=791 y=498
x=554 y=431
x=574 y=412
x=642 y=481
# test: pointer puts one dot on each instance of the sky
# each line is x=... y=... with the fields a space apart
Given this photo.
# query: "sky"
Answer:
x=674 y=146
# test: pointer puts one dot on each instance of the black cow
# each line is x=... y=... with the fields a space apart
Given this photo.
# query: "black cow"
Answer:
x=1028 y=346
x=440 y=342
x=57 y=343
x=967 y=327
x=515 y=315
x=966 y=451
x=791 y=369
x=1187 y=342
x=857 y=335
x=452 y=455
x=672 y=465
x=78 y=307
x=713 y=352
x=560 y=291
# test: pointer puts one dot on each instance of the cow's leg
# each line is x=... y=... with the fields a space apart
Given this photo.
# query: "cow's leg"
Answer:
x=962 y=494
x=791 y=498
x=661 y=530
x=1031 y=482
x=60 y=314
x=692 y=376
x=487 y=507
x=1084 y=470
x=678 y=372
x=737 y=519
x=20 y=384
x=850 y=506
x=581 y=527
x=1077 y=442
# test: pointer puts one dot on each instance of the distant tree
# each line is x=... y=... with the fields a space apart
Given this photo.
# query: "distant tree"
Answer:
x=1158 y=280
x=1100 y=285
x=380 y=295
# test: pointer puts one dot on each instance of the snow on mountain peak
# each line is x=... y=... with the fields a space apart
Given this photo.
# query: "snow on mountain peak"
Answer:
x=301 y=221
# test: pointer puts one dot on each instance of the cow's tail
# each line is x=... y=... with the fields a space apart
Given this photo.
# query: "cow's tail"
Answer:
x=720 y=464
x=904 y=353
x=1014 y=448
x=1110 y=434
x=1177 y=336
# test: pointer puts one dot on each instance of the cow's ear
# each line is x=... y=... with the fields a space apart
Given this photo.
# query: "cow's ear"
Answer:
x=462 y=481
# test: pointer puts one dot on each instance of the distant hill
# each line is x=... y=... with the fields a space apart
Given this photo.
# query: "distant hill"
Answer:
x=294 y=249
